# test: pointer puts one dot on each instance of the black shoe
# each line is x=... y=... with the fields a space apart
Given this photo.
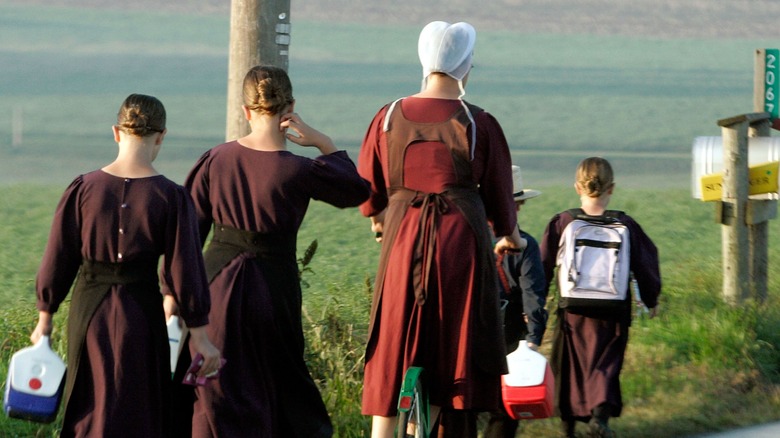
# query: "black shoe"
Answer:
x=599 y=429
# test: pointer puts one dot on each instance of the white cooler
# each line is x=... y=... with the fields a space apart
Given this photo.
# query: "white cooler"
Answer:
x=528 y=389
x=36 y=377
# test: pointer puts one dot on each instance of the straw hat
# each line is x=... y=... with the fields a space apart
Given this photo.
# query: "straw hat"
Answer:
x=520 y=193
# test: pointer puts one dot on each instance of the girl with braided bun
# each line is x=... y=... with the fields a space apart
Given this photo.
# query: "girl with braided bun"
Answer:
x=589 y=343
x=255 y=193
x=109 y=230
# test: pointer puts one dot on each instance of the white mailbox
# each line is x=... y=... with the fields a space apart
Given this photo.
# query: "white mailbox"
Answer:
x=708 y=157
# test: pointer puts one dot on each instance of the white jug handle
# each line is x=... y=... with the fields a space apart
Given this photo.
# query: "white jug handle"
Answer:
x=43 y=341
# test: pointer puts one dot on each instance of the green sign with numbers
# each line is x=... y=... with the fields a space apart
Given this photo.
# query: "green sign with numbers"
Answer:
x=772 y=82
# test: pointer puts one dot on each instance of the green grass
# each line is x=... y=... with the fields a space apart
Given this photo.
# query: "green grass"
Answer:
x=702 y=365
x=26 y=212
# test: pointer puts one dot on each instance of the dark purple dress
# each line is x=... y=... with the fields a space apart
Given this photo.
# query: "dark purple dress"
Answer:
x=589 y=345
x=118 y=364
x=265 y=388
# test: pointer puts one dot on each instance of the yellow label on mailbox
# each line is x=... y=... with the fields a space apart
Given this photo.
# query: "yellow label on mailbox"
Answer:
x=762 y=178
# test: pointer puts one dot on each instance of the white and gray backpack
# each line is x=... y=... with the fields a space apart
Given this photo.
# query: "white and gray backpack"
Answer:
x=594 y=261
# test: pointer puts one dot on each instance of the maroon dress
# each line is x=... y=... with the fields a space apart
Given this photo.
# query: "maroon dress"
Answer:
x=589 y=344
x=260 y=198
x=435 y=302
x=110 y=232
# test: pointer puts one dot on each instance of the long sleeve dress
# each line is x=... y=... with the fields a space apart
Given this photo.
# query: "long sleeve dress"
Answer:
x=441 y=169
x=589 y=344
x=108 y=234
x=256 y=202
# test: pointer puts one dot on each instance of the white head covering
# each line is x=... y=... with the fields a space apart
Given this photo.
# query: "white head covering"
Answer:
x=446 y=48
x=519 y=192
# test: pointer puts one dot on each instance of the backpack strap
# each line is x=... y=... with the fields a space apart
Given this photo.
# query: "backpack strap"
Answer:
x=577 y=213
x=613 y=214
x=609 y=216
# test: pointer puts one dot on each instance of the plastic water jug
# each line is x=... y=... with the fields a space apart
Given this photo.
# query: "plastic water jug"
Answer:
x=527 y=390
x=174 y=340
x=36 y=377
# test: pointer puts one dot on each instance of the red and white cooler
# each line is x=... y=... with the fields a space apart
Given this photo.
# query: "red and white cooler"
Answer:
x=528 y=388
x=36 y=377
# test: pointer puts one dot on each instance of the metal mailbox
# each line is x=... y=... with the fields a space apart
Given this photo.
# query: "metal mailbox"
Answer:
x=708 y=158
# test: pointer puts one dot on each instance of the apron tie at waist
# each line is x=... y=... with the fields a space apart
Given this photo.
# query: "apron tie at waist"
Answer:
x=255 y=242
x=228 y=243
x=432 y=206
x=141 y=271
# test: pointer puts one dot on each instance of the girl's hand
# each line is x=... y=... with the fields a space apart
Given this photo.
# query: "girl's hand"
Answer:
x=512 y=243
x=507 y=245
x=305 y=135
x=200 y=342
x=170 y=307
x=43 y=328
x=377 y=225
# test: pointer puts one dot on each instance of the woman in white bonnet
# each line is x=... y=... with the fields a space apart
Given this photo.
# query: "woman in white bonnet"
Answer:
x=439 y=169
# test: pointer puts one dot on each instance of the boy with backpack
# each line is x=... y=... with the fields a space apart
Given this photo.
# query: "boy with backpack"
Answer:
x=594 y=251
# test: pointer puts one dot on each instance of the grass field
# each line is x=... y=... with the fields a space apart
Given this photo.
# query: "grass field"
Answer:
x=700 y=366
x=640 y=102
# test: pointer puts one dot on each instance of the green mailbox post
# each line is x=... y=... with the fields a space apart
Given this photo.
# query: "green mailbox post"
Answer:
x=771 y=88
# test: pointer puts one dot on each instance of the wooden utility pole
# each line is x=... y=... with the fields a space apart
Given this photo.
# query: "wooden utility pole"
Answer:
x=759 y=211
x=733 y=208
x=259 y=34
